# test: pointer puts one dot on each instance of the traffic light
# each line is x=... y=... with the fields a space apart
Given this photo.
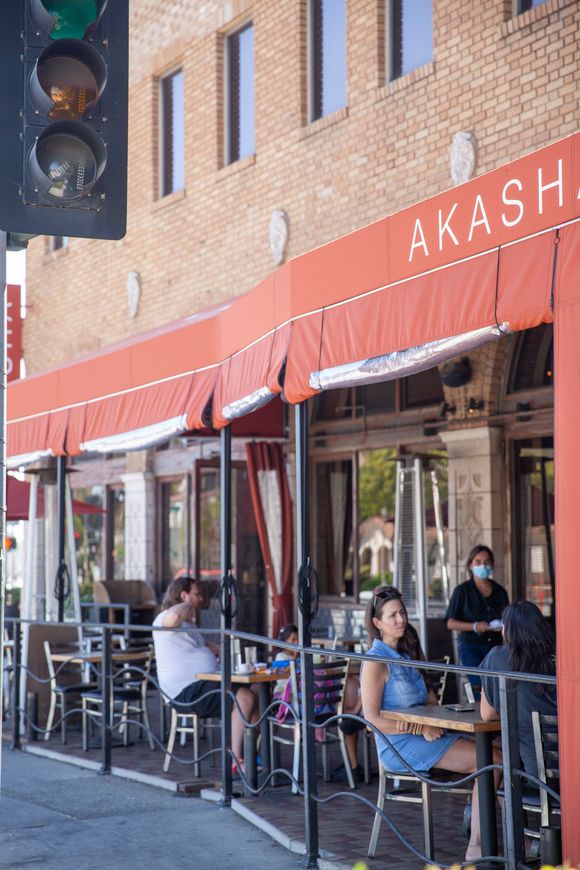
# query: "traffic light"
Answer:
x=63 y=103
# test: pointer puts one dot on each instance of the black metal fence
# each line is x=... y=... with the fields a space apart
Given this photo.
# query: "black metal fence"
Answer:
x=112 y=667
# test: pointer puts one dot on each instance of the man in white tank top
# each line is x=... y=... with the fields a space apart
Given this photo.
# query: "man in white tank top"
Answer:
x=182 y=655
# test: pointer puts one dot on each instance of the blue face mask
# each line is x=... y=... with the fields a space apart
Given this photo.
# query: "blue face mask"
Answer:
x=482 y=572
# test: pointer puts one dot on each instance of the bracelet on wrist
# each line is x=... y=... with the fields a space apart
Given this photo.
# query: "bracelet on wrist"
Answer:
x=475 y=627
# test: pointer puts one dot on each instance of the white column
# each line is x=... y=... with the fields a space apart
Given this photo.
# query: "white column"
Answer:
x=475 y=497
x=139 y=525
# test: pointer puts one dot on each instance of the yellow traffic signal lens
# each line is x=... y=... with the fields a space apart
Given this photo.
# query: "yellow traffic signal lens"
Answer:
x=70 y=84
x=72 y=17
x=68 y=163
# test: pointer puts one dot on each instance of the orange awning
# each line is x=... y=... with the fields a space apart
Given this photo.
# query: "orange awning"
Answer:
x=476 y=257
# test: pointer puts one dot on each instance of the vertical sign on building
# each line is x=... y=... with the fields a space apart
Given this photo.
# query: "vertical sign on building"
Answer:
x=13 y=332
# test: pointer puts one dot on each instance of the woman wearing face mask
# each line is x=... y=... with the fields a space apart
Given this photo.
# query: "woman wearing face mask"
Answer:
x=475 y=610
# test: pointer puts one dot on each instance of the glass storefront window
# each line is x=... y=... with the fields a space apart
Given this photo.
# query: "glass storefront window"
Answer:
x=89 y=534
x=174 y=527
x=209 y=523
x=534 y=555
x=334 y=533
x=376 y=517
x=117 y=535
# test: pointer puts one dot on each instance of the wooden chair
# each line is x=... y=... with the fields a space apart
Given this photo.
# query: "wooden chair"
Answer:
x=184 y=723
x=130 y=686
x=61 y=691
x=329 y=681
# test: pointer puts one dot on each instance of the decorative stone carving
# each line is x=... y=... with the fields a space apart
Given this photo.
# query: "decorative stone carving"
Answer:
x=279 y=231
x=133 y=293
x=463 y=156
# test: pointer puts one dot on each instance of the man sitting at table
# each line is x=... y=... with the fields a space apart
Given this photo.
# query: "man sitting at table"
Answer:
x=182 y=655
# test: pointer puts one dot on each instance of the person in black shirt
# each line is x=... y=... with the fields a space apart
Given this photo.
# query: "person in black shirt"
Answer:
x=475 y=611
x=528 y=648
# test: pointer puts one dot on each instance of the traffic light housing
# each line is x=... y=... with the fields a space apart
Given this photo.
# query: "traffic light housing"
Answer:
x=63 y=100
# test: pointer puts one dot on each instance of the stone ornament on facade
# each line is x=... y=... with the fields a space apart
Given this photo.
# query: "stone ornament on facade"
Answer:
x=133 y=293
x=463 y=156
x=279 y=232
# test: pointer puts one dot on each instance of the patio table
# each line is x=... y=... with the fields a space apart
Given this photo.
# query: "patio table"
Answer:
x=484 y=732
x=264 y=681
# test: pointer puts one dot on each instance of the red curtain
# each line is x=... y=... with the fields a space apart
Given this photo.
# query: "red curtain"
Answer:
x=273 y=512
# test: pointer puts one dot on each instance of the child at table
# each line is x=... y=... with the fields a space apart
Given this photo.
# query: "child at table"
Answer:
x=287 y=634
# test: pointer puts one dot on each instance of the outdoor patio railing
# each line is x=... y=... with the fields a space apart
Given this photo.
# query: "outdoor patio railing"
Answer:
x=21 y=720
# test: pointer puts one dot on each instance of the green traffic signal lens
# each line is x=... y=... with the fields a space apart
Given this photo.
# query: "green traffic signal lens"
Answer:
x=68 y=163
x=70 y=84
x=72 y=17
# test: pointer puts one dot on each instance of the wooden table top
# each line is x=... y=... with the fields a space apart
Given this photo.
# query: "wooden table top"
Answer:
x=248 y=679
x=83 y=658
x=441 y=717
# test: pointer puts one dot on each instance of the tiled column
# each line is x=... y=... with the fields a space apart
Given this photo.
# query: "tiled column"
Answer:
x=139 y=525
x=475 y=497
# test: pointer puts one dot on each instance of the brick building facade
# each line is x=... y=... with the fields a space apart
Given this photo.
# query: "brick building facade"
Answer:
x=508 y=77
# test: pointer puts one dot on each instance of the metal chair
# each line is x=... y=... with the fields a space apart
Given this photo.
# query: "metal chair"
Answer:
x=130 y=685
x=329 y=685
x=60 y=692
x=545 y=729
x=405 y=797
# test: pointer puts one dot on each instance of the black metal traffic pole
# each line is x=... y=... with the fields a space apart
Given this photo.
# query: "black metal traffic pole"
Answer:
x=106 y=695
x=61 y=571
x=226 y=608
x=307 y=592
x=512 y=784
x=16 y=664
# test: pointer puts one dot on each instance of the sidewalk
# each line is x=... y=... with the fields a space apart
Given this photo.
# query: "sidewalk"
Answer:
x=56 y=816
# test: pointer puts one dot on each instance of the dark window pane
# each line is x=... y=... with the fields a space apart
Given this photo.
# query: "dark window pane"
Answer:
x=534 y=359
x=209 y=524
x=524 y=5
x=332 y=405
x=328 y=22
x=173 y=134
x=377 y=398
x=240 y=54
x=422 y=389
x=411 y=35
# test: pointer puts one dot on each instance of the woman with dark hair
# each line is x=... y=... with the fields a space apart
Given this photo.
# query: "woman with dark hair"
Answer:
x=528 y=648
x=475 y=610
x=390 y=686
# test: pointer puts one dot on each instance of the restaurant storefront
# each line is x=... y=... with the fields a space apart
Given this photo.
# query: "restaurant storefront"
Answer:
x=467 y=269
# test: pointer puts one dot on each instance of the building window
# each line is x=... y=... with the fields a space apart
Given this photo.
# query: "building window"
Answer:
x=175 y=525
x=115 y=555
x=327 y=57
x=89 y=530
x=239 y=78
x=172 y=162
x=533 y=364
x=410 y=36
x=58 y=243
x=526 y=5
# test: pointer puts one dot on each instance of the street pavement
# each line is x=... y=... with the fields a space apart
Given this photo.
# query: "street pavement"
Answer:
x=56 y=816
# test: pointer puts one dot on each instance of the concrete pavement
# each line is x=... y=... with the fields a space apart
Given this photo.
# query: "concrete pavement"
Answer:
x=56 y=816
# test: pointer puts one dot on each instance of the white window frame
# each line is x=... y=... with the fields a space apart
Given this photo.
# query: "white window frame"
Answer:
x=239 y=26
x=161 y=168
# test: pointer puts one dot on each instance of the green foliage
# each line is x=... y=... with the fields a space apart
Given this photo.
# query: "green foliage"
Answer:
x=377 y=477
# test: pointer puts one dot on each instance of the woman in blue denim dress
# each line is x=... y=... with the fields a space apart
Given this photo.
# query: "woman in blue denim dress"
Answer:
x=387 y=685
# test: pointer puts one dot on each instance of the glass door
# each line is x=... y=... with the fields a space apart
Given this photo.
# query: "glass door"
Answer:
x=534 y=562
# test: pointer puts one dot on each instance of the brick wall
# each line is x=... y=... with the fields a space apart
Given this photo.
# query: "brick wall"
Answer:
x=511 y=81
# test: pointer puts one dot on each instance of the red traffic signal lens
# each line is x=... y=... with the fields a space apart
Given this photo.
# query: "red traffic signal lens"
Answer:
x=72 y=17
x=67 y=160
x=70 y=84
